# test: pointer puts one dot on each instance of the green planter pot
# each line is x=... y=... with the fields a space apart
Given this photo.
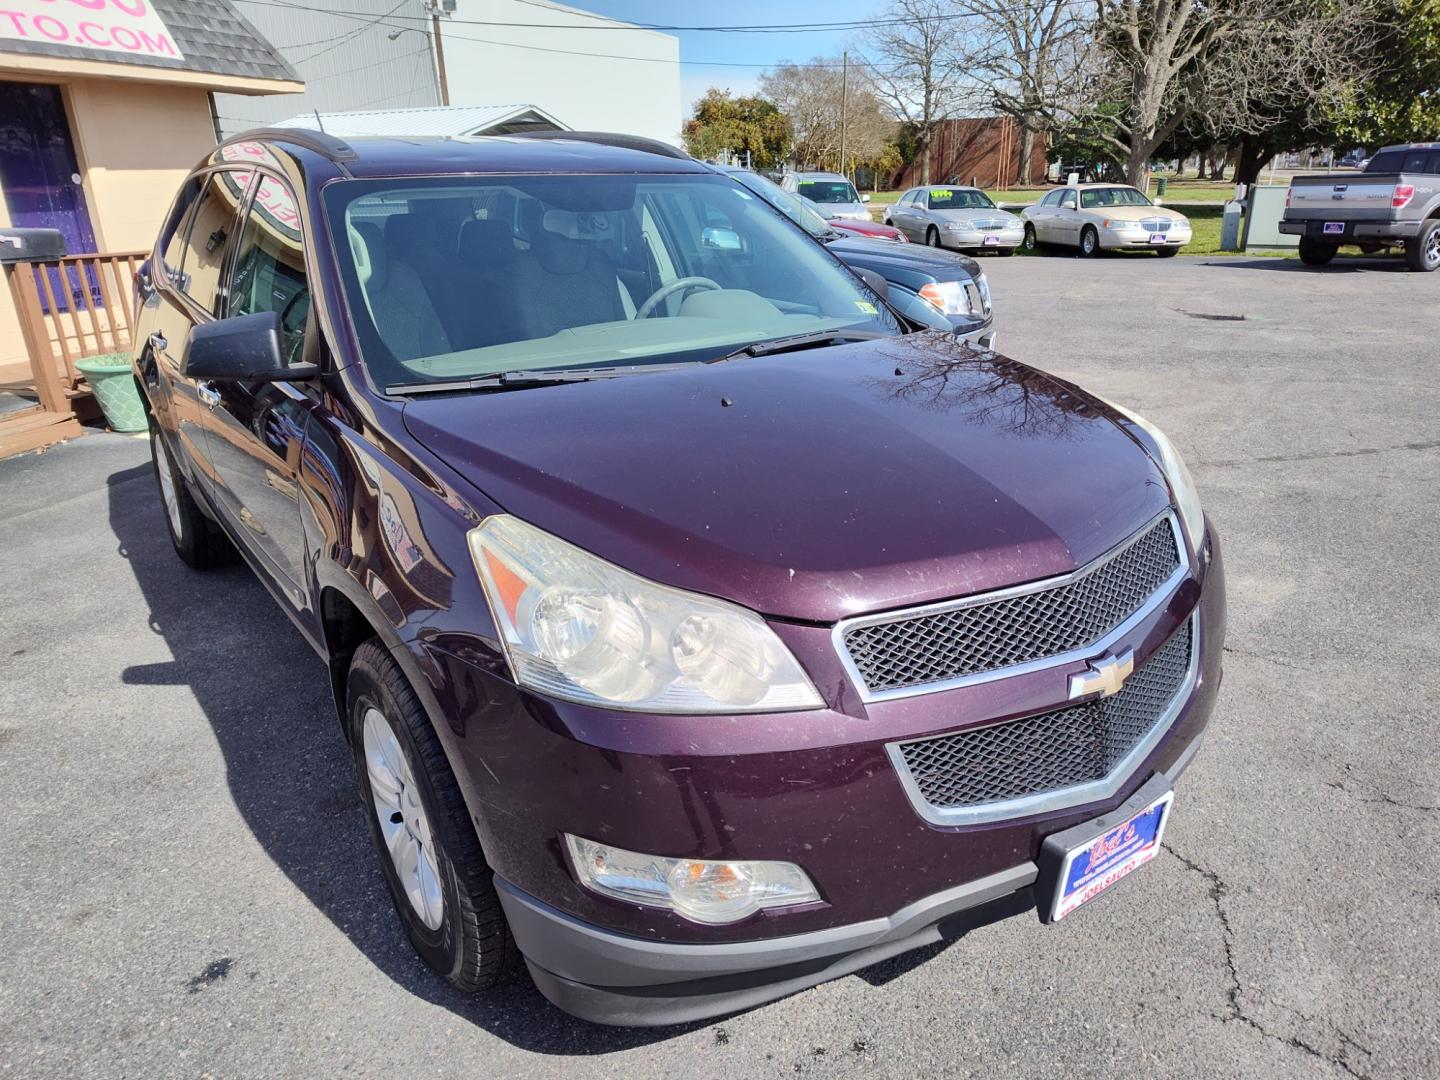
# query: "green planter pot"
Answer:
x=114 y=385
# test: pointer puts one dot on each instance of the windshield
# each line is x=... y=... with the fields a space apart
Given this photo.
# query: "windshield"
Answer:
x=452 y=278
x=828 y=191
x=792 y=206
x=1112 y=196
x=951 y=199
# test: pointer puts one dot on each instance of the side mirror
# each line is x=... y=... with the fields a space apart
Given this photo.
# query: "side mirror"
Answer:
x=715 y=238
x=246 y=348
x=877 y=283
x=864 y=197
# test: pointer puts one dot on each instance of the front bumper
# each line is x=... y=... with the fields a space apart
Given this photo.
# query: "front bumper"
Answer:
x=1355 y=231
x=1128 y=239
x=610 y=978
x=975 y=240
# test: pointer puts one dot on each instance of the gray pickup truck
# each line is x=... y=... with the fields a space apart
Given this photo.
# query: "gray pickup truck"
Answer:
x=1394 y=202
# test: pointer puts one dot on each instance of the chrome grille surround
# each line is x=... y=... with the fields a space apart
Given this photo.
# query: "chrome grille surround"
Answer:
x=992 y=626
x=1053 y=760
x=1156 y=225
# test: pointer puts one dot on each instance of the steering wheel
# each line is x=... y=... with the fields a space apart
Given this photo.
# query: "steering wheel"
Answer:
x=652 y=301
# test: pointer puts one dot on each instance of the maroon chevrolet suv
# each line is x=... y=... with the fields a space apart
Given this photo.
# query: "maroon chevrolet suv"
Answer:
x=704 y=626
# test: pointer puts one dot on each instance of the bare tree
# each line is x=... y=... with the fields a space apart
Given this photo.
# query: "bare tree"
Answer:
x=1032 y=58
x=810 y=96
x=918 y=68
x=1234 y=65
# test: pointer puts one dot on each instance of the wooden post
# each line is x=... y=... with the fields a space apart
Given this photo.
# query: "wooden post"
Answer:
x=48 y=386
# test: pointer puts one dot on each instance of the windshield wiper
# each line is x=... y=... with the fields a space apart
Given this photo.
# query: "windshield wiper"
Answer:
x=521 y=380
x=796 y=342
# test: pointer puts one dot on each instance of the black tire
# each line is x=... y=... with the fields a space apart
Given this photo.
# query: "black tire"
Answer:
x=1004 y=253
x=1089 y=242
x=932 y=237
x=472 y=948
x=1316 y=252
x=1031 y=241
x=1423 y=253
x=200 y=543
x=1167 y=253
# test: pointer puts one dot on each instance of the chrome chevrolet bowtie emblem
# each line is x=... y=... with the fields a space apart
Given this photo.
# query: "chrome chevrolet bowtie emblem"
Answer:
x=1105 y=677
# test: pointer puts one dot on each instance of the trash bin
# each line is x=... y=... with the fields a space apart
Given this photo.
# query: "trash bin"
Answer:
x=1164 y=184
x=111 y=378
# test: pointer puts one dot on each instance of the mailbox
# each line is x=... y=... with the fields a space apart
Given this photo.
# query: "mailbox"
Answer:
x=31 y=245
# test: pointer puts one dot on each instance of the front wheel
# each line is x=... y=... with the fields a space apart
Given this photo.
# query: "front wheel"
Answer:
x=1316 y=252
x=439 y=881
x=1031 y=241
x=1089 y=242
x=932 y=237
x=1423 y=253
x=198 y=541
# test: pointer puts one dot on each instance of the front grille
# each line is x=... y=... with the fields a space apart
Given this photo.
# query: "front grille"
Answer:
x=982 y=636
x=1042 y=754
x=984 y=223
x=1156 y=225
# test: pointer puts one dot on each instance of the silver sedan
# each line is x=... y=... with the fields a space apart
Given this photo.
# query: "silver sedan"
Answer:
x=960 y=218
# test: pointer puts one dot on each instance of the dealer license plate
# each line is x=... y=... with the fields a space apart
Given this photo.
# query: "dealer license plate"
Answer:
x=992 y=241
x=1334 y=228
x=1089 y=869
x=1157 y=238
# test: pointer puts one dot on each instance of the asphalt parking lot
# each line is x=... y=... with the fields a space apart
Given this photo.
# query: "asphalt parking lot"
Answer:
x=189 y=890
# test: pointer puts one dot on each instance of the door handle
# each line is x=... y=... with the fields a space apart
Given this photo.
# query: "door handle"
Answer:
x=207 y=394
x=158 y=344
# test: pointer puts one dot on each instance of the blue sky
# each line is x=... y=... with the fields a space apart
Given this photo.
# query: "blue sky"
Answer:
x=762 y=50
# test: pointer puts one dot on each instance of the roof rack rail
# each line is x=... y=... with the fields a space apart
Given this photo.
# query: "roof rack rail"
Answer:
x=330 y=146
x=610 y=138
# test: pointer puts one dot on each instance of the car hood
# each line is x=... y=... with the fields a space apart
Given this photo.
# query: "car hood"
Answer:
x=941 y=264
x=814 y=485
x=1134 y=213
x=969 y=216
x=844 y=209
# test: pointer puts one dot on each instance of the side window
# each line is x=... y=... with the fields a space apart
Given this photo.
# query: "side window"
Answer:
x=172 y=235
x=909 y=198
x=269 y=272
x=1053 y=199
x=205 y=240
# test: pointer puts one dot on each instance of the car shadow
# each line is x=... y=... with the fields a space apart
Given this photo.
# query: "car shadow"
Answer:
x=266 y=697
x=1356 y=264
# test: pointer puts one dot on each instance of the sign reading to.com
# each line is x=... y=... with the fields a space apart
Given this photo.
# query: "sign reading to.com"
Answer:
x=115 y=26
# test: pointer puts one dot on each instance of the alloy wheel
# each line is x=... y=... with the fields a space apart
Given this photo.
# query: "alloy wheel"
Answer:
x=1432 y=249
x=402 y=818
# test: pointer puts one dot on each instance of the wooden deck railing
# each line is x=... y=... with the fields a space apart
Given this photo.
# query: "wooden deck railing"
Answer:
x=69 y=309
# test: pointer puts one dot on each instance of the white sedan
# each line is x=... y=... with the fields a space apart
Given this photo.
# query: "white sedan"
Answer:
x=1104 y=217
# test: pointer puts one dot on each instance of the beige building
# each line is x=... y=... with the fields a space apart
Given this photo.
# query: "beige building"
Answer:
x=104 y=107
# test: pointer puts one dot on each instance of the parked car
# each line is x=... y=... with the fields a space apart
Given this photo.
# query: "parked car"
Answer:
x=952 y=284
x=872 y=229
x=963 y=218
x=702 y=628
x=1395 y=201
x=1104 y=217
x=835 y=194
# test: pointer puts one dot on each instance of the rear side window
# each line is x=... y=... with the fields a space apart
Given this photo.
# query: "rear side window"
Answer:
x=269 y=270
x=1411 y=161
x=209 y=231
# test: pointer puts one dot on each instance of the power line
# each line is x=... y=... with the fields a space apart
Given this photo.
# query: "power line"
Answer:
x=605 y=23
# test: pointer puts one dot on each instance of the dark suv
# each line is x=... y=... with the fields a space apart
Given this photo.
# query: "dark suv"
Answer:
x=702 y=627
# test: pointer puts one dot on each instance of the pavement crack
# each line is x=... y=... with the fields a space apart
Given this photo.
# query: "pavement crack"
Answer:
x=1323 y=455
x=1346 y=785
x=1235 y=1011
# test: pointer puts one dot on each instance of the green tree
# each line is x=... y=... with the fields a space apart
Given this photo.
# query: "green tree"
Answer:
x=722 y=123
x=1401 y=103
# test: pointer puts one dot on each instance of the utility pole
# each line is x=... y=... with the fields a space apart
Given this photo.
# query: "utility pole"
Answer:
x=434 y=6
x=844 y=106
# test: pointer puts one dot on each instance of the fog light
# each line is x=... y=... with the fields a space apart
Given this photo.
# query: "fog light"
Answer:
x=701 y=890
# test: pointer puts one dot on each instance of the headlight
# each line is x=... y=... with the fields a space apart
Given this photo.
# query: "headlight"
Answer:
x=947 y=296
x=701 y=890
x=958 y=226
x=1124 y=226
x=578 y=628
x=1182 y=484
